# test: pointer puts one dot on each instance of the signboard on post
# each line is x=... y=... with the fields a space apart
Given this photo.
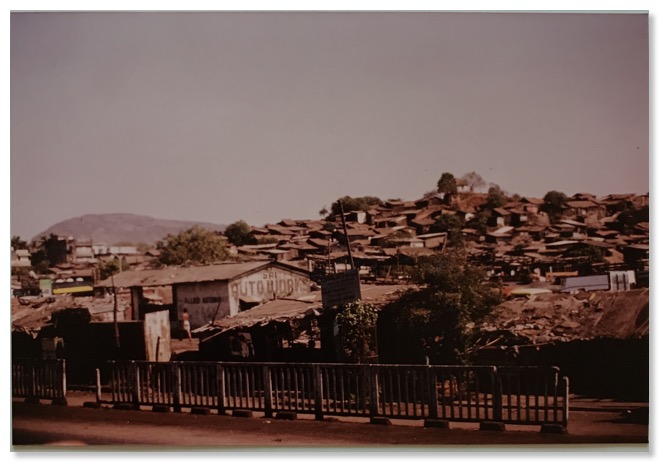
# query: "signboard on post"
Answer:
x=341 y=289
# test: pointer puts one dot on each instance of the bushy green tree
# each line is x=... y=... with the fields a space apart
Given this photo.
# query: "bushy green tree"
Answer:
x=357 y=323
x=18 y=243
x=553 y=204
x=451 y=224
x=496 y=197
x=447 y=184
x=479 y=221
x=53 y=251
x=351 y=204
x=194 y=245
x=239 y=233
x=631 y=217
x=110 y=267
x=434 y=320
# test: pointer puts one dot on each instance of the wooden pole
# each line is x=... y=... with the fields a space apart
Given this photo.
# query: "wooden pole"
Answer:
x=345 y=232
x=115 y=313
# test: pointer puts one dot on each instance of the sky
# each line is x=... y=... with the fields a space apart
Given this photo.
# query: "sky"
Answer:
x=261 y=116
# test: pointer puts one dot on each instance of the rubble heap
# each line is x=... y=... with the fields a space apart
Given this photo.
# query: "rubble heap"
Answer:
x=559 y=317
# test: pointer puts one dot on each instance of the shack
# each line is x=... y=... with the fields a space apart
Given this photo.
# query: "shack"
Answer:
x=213 y=292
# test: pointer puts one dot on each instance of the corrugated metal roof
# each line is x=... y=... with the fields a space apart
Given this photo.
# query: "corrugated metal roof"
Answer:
x=581 y=204
x=169 y=276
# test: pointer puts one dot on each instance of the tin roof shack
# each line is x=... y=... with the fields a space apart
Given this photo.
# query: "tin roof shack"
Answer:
x=295 y=330
x=278 y=330
x=214 y=292
x=88 y=345
x=575 y=209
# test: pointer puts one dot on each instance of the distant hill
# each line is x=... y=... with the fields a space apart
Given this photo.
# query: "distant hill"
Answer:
x=111 y=228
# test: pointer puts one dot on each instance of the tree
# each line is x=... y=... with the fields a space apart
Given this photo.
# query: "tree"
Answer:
x=451 y=224
x=631 y=217
x=496 y=197
x=194 y=245
x=447 y=184
x=53 y=251
x=357 y=323
x=323 y=212
x=435 y=320
x=18 y=243
x=479 y=221
x=239 y=233
x=351 y=204
x=110 y=267
x=474 y=181
x=553 y=204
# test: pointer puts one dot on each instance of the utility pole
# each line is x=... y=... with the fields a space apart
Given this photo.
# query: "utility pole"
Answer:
x=115 y=313
x=345 y=232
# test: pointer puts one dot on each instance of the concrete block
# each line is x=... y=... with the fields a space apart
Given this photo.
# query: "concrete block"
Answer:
x=91 y=404
x=435 y=423
x=160 y=408
x=242 y=413
x=493 y=426
x=286 y=415
x=200 y=411
x=378 y=420
x=556 y=429
x=124 y=407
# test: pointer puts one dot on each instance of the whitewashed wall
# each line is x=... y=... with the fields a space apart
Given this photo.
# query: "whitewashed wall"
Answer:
x=266 y=285
x=204 y=300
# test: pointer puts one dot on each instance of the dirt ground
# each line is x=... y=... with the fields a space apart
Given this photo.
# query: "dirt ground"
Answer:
x=594 y=424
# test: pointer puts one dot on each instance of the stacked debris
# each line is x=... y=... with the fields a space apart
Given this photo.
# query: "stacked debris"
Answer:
x=559 y=317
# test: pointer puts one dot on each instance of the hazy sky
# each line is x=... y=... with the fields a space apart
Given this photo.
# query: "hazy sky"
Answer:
x=263 y=116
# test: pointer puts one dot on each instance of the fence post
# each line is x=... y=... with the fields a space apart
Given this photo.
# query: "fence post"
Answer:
x=267 y=388
x=497 y=396
x=432 y=390
x=98 y=385
x=374 y=391
x=318 y=391
x=221 y=392
x=176 y=370
x=136 y=384
x=32 y=394
x=61 y=400
x=566 y=401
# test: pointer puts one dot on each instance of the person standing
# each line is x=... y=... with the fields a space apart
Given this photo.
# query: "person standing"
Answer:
x=186 y=323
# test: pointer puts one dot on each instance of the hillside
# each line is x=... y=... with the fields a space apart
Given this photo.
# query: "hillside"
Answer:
x=111 y=228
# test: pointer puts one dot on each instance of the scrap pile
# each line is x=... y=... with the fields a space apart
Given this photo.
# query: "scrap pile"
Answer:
x=558 y=317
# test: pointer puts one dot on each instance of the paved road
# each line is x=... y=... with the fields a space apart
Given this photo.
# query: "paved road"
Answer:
x=45 y=424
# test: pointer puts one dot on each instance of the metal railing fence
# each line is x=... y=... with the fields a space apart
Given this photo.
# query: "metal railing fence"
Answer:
x=516 y=395
x=44 y=379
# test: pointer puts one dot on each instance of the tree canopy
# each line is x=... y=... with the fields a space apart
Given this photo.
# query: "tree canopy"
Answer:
x=474 y=181
x=357 y=323
x=108 y=268
x=351 y=204
x=18 y=243
x=447 y=184
x=496 y=197
x=194 y=245
x=631 y=217
x=553 y=203
x=451 y=224
x=434 y=320
x=239 y=233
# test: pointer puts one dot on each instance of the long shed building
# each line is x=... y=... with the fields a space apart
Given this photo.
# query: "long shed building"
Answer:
x=213 y=292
